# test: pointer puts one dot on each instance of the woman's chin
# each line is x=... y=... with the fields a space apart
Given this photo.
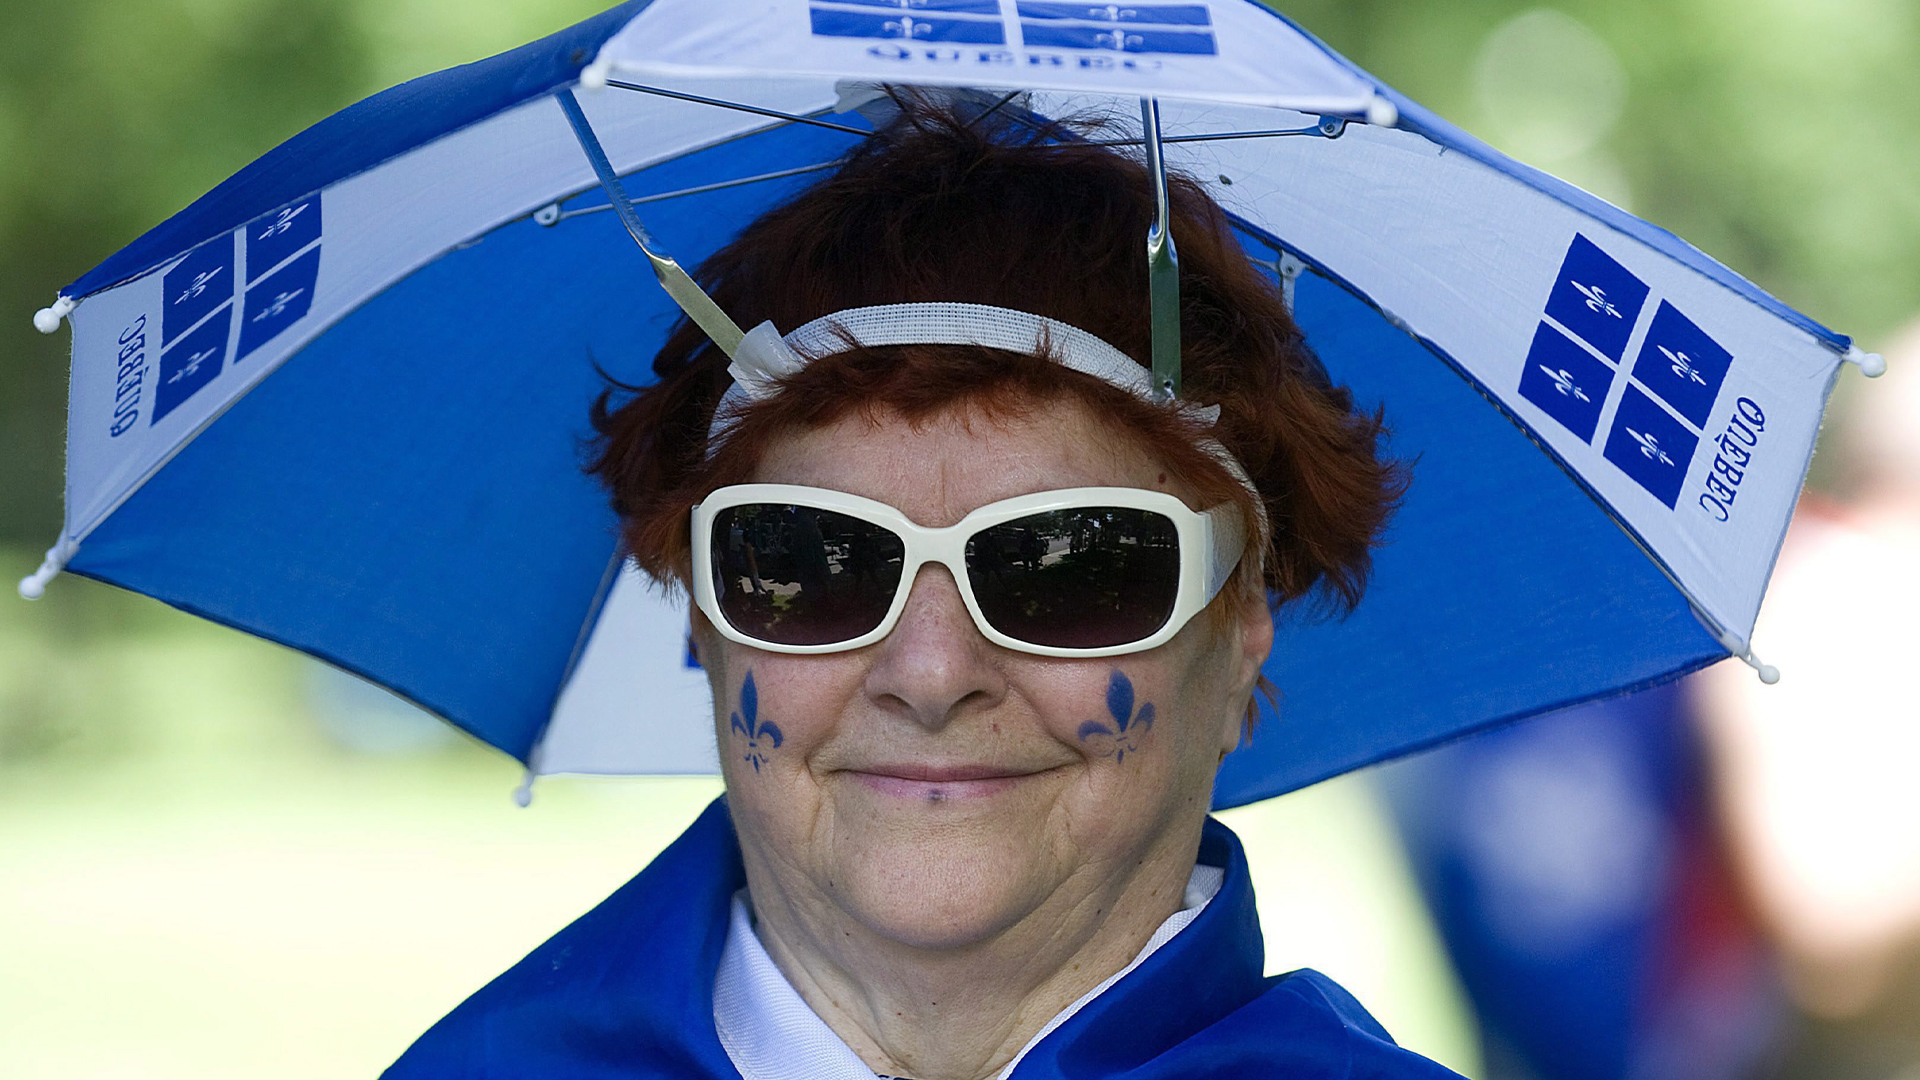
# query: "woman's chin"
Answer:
x=946 y=887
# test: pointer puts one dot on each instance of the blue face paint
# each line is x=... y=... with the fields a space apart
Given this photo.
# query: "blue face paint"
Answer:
x=762 y=737
x=1123 y=736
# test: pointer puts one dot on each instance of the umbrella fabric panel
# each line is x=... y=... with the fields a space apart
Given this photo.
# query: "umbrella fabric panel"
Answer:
x=1688 y=409
x=404 y=497
x=159 y=357
x=1501 y=591
x=395 y=518
x=1218 y=50
x=637 y=702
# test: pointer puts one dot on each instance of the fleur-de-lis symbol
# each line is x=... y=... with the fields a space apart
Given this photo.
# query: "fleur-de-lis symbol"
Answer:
x=1597 y=301
x=199 y=284
x=762 y=738
x=1563 y=382
x=282 y=222
x=1650 y=447
x=1682 y=365
x=907 y=28
x=1117 y=39
x=1112 y=12
x=193 y=364
x=278 y=307
x=1121 y=737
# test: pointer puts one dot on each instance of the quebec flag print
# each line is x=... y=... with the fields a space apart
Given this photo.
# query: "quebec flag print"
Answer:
x=1135 y=28
x=1681 y=364
x=279 y=301
x=1674 y=381
x=191 y=363
x=973 y=22
x=279 y=236
x=1596 y=298
x=193 y=289
x=1566 y=380
x=1651 y=446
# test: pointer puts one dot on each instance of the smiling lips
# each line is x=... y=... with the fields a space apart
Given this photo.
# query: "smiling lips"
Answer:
x=932 y=783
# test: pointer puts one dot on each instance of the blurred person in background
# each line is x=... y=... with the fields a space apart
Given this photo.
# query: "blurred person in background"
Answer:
x=1816 y=777
x=1575 y=871
x=1717 y=878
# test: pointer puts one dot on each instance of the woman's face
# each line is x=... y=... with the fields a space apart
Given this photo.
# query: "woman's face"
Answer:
x=939 y=789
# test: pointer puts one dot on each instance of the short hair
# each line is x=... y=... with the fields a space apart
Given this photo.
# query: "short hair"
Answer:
x=1006 y=211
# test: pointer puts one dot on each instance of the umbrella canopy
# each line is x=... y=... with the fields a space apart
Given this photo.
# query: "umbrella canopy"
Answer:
x=339 y=401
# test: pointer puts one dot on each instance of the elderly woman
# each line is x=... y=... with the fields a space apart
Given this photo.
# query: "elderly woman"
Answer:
x=982 y=616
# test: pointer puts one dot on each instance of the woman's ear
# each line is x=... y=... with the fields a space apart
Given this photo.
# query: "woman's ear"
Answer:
x=705 y=644
x=1254 y=624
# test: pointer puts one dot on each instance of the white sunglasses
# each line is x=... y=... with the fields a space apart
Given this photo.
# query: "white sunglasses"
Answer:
x=1091 y=571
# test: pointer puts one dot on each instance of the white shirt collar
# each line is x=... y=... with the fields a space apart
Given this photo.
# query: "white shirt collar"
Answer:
x=771 y=1033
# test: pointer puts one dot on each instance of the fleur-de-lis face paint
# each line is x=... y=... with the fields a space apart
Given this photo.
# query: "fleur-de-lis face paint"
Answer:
x=1129 y=727
x=761 y=737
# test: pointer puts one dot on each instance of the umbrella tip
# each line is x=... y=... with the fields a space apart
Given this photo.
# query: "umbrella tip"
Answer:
x=34 y=585
x=1382 y=113
x=523 y=795
x=1767 y=672
x=47 y=319
x=1872 y=365
x=594 y=76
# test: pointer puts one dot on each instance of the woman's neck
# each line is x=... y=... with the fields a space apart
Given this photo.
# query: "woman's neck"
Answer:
x=963 y=1013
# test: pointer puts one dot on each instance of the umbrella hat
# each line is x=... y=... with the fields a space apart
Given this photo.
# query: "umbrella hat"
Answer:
x=338 y=401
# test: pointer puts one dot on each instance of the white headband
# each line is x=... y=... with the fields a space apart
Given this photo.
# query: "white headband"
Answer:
x=764 y=357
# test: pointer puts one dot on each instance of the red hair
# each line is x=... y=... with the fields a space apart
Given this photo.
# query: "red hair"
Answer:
x=1006 y=212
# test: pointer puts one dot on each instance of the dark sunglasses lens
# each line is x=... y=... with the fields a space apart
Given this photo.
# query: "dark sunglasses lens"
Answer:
x=1086 y=578
x=794 y=575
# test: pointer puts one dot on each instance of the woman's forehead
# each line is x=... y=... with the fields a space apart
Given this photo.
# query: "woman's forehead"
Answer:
x=938 y=470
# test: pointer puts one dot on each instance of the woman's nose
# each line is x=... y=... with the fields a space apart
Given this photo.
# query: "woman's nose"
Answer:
x=935 y=667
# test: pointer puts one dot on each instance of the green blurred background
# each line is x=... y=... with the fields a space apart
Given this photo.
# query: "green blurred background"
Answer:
x=217 y=859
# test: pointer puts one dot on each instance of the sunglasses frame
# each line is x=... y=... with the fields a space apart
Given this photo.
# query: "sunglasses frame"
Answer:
x=1210 y=547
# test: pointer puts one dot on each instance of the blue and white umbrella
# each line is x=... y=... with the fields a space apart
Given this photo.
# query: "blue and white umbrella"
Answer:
x=338 y=402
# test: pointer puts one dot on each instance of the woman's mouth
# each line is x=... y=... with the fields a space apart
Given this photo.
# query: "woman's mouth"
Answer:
x=941 y=783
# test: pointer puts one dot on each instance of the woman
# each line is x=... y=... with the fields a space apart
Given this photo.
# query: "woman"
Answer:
x=967 y=769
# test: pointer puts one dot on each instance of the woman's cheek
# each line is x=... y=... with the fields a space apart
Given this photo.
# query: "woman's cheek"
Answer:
x=1122 y=724
x=754 y=738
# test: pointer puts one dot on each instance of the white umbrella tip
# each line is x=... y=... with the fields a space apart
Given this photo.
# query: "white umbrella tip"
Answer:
x=34 y=585
x=594 y=76
x=1872 y=365
x=1382 y=113
x=47 y=319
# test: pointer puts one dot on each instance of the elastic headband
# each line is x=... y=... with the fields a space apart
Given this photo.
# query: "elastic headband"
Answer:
x=764 y=356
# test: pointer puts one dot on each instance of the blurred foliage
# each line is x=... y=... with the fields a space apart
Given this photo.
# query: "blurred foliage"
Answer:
x=1771 y=133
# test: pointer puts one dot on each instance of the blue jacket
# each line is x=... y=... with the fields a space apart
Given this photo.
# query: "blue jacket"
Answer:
x=627 y=991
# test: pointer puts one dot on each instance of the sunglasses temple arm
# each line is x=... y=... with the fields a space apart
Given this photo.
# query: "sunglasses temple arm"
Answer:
x=1228 y=543
x=679 y=284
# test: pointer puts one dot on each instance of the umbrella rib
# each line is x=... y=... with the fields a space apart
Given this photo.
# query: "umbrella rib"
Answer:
x=701 y=189
x=793 y=118
x=1217 y=136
